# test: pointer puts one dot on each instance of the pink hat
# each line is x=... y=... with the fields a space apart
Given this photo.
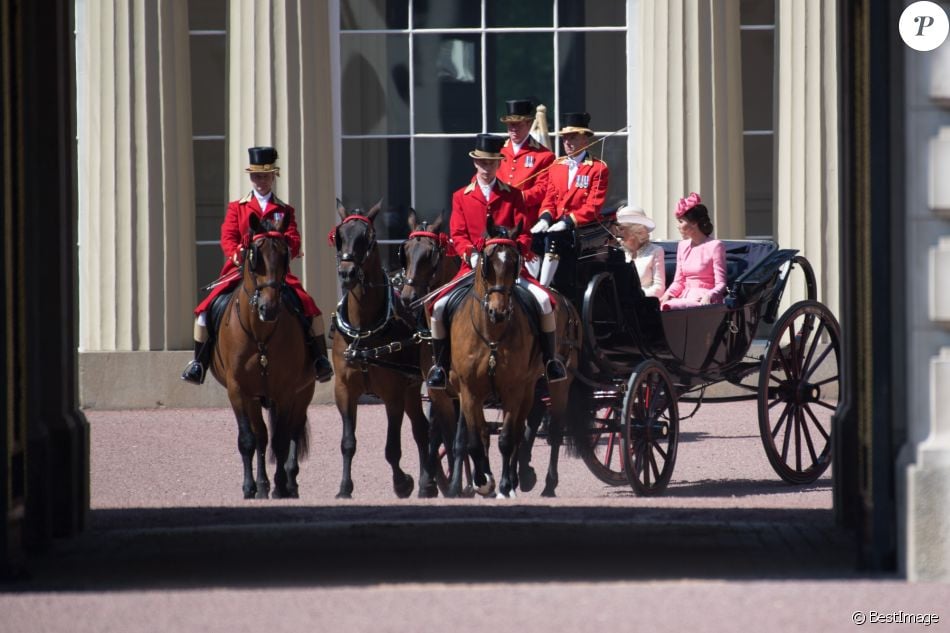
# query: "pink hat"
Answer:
x=687 y=203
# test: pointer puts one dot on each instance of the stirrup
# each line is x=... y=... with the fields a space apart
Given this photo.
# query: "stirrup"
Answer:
x=323 y=368
x=194 y=373
x=554 y=371
x=435 y=379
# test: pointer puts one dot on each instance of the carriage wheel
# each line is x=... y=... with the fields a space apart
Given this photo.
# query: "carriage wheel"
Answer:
x=603 y=452
x=443 y=477
x=800 y=391
x=600 y=317
x=650 y=428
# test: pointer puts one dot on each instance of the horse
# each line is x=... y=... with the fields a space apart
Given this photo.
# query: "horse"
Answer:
x=494 y=353
x=426 y=258
x=375 y=350
x=425 y=265
x=428 y=262
x=262 y=360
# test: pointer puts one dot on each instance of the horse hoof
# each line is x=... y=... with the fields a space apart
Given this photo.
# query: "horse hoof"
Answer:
x=548 y=492
x=487 y=488
x=404 y=490
x=249 y=493
x=262 y=494
x=527 y=479
x=344 y=495
x=469 y=491
x=428 y=492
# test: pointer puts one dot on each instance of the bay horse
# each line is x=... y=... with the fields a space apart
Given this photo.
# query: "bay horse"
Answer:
x=261 y=358
x=426 y=266
x=375 y=350
x=428 y=261
x=494 y=353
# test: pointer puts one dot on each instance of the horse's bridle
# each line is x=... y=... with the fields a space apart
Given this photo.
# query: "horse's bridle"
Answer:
x=346 y=256
x=439 y=249
x=251 y=254
x=502 y=290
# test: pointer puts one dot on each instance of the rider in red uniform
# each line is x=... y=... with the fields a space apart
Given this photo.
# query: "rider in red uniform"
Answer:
x=525 y=163
x=577 y=189
x=471 y=206
x=235 y=229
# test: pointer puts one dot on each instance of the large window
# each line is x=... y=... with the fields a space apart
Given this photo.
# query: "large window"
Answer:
x=757 y=18
x=208 y=41
x=419 y=78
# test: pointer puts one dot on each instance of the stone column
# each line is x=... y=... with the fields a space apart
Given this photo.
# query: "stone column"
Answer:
x=279 y=79
x=136 y=191
x=806 y=200
x=690 y=120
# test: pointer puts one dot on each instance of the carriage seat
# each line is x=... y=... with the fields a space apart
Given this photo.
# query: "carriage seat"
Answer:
x=741 y=256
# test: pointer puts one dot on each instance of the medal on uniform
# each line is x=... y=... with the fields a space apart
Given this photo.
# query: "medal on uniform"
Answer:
x=529 y=161
x=278 y=216
x=582 y=181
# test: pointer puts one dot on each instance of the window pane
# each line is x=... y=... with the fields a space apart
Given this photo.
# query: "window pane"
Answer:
x=446 y=14
x=374 y=14
x=757 y=79
x=448 y=84
x=208 y=89
x=375 y=83
x=757 y=12
x=374 y=169
x=210 y=205
x=207 y=15
x=588 y=84
x=442 y=166
x=504 y=13
x=518 y=67
x=758 y=184
x=592 y=13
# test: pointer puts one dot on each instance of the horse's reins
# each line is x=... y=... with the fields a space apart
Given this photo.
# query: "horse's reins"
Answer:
x=255 y=298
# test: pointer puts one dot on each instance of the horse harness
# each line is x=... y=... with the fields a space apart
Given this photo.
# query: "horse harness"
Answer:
x=355 y=337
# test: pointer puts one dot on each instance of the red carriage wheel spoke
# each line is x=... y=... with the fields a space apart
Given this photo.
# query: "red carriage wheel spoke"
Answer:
x=778 y=425
x=818 y=425
x=659 y=449
x=807 y=434
x=818 y=362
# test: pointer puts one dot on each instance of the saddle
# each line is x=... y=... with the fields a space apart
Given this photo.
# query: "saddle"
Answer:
x=220 y=305
x=522 y=295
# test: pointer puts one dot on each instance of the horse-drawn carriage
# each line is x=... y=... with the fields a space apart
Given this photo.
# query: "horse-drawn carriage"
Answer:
x=633 y=367
x=638 y=362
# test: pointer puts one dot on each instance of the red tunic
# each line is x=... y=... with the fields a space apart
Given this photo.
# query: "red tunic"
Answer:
x=236 y=226
x=527 y=171
x=470 y=212
x=585 y=197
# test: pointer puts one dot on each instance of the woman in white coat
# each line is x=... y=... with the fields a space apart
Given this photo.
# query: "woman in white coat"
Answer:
x=635 y=228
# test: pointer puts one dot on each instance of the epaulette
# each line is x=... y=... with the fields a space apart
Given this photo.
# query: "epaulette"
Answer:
x=246 y=198
x=562 y=160
x=470 y=188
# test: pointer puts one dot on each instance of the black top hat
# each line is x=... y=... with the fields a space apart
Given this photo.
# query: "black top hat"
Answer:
x=262 y=159
x=518 y=110
x=488 y=147
x=576 y=122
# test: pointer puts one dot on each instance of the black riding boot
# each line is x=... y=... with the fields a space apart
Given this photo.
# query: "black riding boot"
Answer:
x=318 y=348
x=196 y=369
x=554 y=369
x=438 y=373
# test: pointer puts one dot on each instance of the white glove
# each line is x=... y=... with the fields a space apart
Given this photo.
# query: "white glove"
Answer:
x=540 y=226
x=473 y=261
x=558 y=226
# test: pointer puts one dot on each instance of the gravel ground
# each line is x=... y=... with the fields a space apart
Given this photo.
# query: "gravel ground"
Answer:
x=172 y=546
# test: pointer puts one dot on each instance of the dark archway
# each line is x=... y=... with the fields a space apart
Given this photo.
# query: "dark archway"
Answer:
x=44 y=438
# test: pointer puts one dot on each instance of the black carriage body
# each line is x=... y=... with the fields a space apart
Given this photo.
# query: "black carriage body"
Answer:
x=698 y=345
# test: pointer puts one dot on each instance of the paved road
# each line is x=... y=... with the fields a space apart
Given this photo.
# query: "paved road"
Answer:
x=173 y=546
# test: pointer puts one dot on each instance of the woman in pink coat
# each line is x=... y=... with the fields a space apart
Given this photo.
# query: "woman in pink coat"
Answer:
x=700 y=261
